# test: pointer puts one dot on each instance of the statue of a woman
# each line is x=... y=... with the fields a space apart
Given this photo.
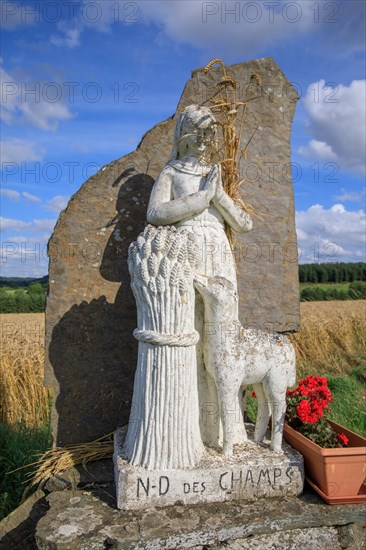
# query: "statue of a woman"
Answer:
x=189 y=194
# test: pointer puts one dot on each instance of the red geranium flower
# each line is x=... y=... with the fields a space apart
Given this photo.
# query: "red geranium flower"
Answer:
x=343 y=438
x=305 y=412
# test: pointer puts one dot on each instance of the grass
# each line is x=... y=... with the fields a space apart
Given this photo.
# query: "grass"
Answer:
x=349 y=392
x=24 y=403
x=331 y=343
x=20 y=445
x=339 y=286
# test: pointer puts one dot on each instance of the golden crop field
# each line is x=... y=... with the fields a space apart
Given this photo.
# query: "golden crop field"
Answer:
x=332 y=340
x=22 y=395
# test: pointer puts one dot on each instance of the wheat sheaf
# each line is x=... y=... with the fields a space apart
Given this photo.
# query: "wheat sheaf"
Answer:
x=226 y=106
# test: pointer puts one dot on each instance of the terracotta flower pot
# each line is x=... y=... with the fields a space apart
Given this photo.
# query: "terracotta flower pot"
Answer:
x=337 y=474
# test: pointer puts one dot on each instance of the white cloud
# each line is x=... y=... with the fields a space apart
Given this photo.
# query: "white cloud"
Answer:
x=350 y=196
x=30 y=197
x=337 y=122
x=231 y=26
x=70 y=37
x=24 y=246
x=57 y=203
x=8 y=88
x=35 y=226
x=227 y=27
x=223 y=26
x=10 y=194
x=7 y=224
x=46 y=226
x=99 y=15
x=24 y=256
x=319 y=150
x=19 y=150
x=45 y=115
x=18 y=105
x=15 y=195
x=333 y=234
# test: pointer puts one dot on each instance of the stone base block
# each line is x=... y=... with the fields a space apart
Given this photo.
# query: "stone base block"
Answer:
x=254 y=472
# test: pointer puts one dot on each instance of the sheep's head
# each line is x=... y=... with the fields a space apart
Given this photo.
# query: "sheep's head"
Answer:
x=215 y=289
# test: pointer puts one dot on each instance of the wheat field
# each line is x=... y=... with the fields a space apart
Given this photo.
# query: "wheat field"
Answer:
x=22 y=395
x=332 y=340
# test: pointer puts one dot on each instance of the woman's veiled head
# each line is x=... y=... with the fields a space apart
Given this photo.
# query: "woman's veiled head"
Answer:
x=195 y=134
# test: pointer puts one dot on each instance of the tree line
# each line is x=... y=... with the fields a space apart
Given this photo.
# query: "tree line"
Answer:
x=332 y=272
x=19 y=295
x=31 y=299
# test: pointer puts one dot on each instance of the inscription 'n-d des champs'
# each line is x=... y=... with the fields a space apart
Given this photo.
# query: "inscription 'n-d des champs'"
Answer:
x=229 y=481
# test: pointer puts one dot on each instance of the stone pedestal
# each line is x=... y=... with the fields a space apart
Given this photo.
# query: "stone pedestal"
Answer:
x=86 y=519
x=254 y=472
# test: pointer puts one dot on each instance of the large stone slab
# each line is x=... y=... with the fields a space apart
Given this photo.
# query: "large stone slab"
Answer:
x=83 y=520
x=90 y=315
x=252 y=473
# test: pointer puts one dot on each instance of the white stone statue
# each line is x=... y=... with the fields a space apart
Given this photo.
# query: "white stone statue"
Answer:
x=163 y=430
x=189 y=194
x=237 y=357
x=194 y=358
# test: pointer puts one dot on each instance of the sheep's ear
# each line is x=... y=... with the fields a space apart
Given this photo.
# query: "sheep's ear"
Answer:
x=201 y=280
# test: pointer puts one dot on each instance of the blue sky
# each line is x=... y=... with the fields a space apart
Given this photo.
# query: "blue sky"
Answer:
x=83 y=80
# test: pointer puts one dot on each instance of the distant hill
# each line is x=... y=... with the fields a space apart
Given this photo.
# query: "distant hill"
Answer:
x=327 y=281
x=335 y=272
x=22 y=282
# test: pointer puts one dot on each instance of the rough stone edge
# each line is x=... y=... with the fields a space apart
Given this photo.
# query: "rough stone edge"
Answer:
x=290 y=514
x=19 y=525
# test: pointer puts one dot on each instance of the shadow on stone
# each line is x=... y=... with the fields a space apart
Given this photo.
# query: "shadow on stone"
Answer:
x=92 y=346
x=17 y=531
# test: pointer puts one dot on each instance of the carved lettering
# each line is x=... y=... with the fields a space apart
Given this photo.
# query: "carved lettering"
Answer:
x=289 y=474
x=249 y=477
x=224 y=488
x=265 y=475
x=163 y=485
x=195 y=487
x=234 y=479
x=277 y=473
x=146 y=487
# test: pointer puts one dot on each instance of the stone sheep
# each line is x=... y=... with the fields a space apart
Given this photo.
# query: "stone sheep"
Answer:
x=237 y=358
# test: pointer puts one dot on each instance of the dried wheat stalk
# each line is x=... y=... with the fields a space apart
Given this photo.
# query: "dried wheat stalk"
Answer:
x=225 y=105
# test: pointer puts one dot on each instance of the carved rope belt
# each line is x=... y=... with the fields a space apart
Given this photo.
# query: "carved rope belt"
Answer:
x=161 y=339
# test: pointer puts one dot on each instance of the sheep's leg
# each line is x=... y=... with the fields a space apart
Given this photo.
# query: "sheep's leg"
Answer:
x=278 y=420
x=210 y=421
x=263 y=413
x=210 y=410
x=277 y=400
x=240 y=434
x=227 y=399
